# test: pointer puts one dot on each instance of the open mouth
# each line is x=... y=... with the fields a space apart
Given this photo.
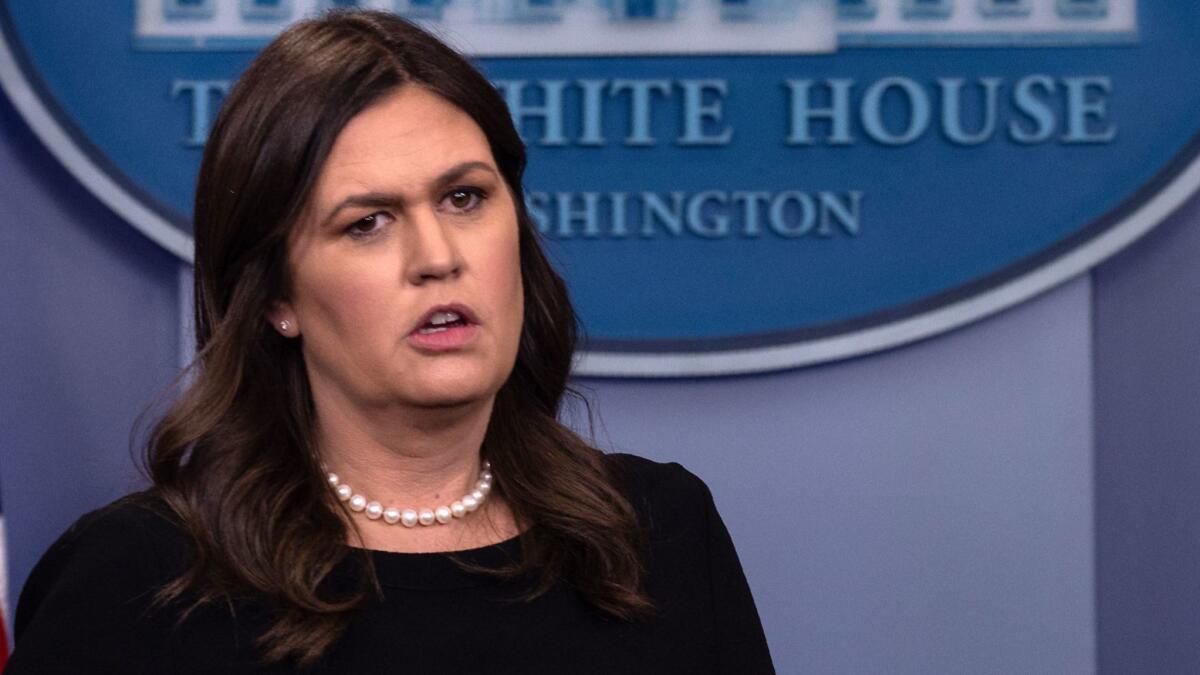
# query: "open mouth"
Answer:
x=445 y=328
x=441 y=322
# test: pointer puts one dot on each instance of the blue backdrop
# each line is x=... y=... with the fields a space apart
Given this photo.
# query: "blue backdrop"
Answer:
x=1015 y=496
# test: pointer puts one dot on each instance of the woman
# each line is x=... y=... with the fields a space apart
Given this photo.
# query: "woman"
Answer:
x=366 y=473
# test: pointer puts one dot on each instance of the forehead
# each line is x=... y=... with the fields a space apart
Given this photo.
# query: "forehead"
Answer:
x=400 y=143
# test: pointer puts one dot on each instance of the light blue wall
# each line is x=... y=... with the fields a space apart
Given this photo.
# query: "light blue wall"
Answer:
x=925 y=510
x=87 y=335
x=1147 y=336
x=928 y=510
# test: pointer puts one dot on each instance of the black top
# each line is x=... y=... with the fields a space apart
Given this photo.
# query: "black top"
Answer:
x=81 y=610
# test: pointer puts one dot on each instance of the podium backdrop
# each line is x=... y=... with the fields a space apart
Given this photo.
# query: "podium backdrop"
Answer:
x=911 y=284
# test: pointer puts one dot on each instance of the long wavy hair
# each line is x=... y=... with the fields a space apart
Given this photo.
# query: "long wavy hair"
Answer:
x=234 y=456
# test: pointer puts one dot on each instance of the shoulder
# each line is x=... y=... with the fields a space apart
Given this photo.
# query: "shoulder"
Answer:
x=694 y=569
x=668 y=496
x=640 y=473
x=117 y=553
x=135 y=528
x=139 y=513
x=88 y=605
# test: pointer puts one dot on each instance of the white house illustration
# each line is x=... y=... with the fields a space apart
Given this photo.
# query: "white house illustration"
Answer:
x=757 y=10
x=986 y=22
x=413 y=9
x=580 y=27
x=641 y=10
x=945 y=9
x=240 y=24
x=519 y=11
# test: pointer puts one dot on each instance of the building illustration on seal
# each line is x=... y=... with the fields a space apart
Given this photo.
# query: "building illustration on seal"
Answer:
x=594 y=27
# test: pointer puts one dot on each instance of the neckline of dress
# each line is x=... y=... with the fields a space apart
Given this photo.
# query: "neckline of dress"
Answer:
x=437 y=570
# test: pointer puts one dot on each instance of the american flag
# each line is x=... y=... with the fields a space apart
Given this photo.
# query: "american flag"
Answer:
x=3 y=593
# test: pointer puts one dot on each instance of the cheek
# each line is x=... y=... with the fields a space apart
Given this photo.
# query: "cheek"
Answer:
x=509 y=289
x=340 y=303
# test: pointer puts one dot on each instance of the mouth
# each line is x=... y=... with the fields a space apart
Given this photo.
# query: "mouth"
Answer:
x=443 y=318
x=444 y=328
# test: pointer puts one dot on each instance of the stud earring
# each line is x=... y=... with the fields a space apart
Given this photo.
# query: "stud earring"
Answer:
x=285 y=325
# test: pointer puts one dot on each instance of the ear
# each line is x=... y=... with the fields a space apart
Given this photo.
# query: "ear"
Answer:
x=283 y=319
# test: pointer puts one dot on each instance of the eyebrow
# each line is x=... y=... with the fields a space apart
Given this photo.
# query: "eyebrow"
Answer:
x=379 y=199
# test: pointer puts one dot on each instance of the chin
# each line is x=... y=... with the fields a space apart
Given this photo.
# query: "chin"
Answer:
x=445 y=400
x=450 y=390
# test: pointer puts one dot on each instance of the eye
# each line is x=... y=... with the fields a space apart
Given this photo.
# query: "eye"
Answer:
x=464 y=199
x=368 y=226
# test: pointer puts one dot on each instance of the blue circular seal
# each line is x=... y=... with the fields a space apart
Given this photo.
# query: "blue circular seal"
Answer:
x=735 y=186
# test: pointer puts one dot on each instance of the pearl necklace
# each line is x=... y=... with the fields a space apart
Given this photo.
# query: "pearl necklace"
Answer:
x=410 y=517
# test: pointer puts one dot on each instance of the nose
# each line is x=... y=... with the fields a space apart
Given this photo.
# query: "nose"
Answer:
x=431 y=253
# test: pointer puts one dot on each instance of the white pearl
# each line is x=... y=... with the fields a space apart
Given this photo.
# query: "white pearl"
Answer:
x=374 y=510
x=409 y=517
x=412 y=517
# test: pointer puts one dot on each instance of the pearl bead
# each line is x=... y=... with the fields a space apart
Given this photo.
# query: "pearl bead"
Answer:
x=412 y=517
x=374 y=510
x=409 y=517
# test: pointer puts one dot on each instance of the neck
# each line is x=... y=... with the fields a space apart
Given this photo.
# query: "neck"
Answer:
x=406 y=457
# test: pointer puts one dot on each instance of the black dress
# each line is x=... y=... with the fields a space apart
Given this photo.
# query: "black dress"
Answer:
x=83 y=608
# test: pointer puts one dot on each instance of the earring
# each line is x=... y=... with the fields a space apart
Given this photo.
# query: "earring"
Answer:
x=285 y=325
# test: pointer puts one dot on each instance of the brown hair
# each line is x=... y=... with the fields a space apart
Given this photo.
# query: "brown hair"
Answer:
x=234 y=456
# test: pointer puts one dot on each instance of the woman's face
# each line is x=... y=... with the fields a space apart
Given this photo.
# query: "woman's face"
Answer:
x=405 y=269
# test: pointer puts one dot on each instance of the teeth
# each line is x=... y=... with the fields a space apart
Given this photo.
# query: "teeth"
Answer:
x=442 y=318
